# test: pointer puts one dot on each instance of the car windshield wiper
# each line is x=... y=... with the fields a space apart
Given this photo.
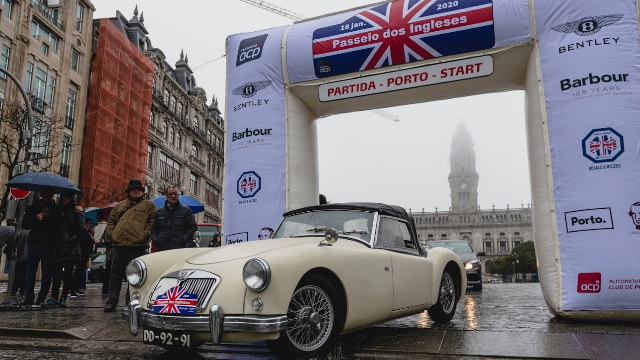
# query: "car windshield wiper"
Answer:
x=318 y=229
x=349 y=232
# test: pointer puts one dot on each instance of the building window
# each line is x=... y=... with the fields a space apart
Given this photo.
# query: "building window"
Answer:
x=502 y=246
x=51 y=90
x=178 y=141
x=165 y=130
x=516 y=243
x=40 y=84
x=180 y=110
x=152 y=118
x=39 y=29
x=75 y=60
x=209 y=136
x=70 y=109
x=7 y=4
x=40 y=137
x=28 y=77
x=195 y=151
x=193 y=184
x=150 y=150
x=517 y=233
x=169 y=169
x=195 y=122
x=172 y=104
x=165 y=96
x=172 y=136
x=212 y=196
x=79 y=17
x=65 y=156
x=4 y=60
x=488 y=246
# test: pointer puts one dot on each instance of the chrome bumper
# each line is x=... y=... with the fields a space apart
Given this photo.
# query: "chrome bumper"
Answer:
x=216 y=323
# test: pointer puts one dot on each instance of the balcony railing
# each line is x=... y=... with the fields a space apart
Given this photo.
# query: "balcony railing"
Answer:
x=47 y=13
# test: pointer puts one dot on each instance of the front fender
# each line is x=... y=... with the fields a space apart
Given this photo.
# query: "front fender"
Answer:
x=441 y=258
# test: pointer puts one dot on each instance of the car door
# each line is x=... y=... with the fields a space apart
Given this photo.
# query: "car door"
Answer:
x=408 y=267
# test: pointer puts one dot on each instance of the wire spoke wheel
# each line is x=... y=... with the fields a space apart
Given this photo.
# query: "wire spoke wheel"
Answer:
x=447 y=293
x=311 y=318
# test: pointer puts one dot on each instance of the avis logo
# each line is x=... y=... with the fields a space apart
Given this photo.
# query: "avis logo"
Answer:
x=250 y=49
x=602 y=145
x=249 y=183
x=589 y=282
x=588 y=25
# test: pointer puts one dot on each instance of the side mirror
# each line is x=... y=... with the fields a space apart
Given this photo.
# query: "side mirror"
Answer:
x=481 y=253
x=196 y=238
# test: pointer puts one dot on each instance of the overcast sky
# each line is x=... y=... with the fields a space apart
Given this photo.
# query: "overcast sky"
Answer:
x=404 y=163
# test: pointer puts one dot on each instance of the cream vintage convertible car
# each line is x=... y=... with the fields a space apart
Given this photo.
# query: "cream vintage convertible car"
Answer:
x=329 y=269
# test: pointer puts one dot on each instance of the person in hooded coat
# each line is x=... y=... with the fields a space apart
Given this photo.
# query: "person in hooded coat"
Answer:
x=72 y=229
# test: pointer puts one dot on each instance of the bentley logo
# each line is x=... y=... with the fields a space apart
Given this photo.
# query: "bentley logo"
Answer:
x=588 y=25
x=249 y=89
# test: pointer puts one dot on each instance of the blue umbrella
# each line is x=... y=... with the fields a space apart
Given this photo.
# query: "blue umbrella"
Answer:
x=37 y=181
x=93 y=213
x=188 y=201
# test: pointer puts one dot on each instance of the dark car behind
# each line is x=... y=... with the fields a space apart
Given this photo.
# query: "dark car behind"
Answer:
x=96 y=270
x=469 y=258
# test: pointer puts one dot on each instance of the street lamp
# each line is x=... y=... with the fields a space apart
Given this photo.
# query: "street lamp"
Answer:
x=26 y=133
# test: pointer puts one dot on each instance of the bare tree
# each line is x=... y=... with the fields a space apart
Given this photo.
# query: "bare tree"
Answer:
x=45 y=156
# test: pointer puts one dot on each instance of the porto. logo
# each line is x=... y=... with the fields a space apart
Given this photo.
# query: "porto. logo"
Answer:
x=249 y=183
x=588 y=25
x=589 y=282
x=237 y=238
x=602 y=145
x=250 y=49
x=249 y=89
x=403 y=31
x=588 y=219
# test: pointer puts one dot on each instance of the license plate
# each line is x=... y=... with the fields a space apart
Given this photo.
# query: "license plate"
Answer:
x=166 y=338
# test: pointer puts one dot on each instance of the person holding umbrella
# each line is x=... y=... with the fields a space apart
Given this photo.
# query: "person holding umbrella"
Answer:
x=129 y=232
x=42 y=219
x=174 y=224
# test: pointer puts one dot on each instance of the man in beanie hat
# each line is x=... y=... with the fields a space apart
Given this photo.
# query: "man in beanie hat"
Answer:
x=129 y=229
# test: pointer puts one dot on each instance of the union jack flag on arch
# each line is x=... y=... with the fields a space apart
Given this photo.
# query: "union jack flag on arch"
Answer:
x=403 y=31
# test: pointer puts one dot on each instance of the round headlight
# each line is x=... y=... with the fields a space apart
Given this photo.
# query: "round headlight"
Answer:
x=256 y=274
x=136 y=272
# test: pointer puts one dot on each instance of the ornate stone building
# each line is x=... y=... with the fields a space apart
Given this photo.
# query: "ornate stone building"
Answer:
x=186 y=135
x=494 y=231
x=47 y=46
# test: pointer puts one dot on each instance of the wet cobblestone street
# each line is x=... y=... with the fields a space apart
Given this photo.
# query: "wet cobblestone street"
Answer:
x=504 y=321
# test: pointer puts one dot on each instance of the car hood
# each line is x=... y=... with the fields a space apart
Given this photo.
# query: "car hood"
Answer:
x=246 y=250
x=467 y=257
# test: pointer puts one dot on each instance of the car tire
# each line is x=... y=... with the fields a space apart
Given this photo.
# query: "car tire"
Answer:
x=444 y=309
x=316 y=316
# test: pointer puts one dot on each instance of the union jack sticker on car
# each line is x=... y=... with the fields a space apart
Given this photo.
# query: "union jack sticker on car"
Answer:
x=401 y=32
x=175 y=301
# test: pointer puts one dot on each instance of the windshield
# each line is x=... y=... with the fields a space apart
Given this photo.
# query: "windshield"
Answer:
x=456 y=247
x=352 y=223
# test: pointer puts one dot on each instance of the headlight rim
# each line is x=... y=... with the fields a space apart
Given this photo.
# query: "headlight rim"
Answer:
x=267 y=271
x=142 y=267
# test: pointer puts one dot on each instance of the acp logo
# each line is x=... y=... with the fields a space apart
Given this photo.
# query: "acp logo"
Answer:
x=602 y=145
x=249 y=183
x=588 y=25
x=250 y=49
x=589 y=282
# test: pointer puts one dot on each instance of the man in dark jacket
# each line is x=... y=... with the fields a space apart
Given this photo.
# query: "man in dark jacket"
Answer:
x=42 y=219
x=129 y=231
x=174 y=224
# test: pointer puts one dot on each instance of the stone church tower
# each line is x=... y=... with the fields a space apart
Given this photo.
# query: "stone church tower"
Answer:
x=463 y=178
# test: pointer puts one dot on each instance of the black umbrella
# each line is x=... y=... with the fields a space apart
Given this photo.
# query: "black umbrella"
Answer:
x=36 y=181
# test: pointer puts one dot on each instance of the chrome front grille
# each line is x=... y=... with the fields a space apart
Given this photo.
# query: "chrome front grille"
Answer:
x=201 y=287
x=201 y=283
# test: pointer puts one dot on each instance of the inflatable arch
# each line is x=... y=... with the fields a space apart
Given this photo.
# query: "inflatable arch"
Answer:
x=577 y=60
